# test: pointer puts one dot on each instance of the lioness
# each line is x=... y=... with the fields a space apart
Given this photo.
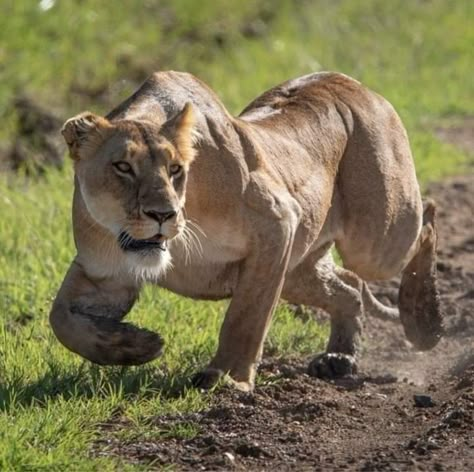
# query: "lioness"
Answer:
x=314 y=162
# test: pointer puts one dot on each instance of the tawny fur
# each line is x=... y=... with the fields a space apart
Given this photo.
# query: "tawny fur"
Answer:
x=260 y=200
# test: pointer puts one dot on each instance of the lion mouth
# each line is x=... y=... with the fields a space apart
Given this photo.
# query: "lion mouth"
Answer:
x=127 y=243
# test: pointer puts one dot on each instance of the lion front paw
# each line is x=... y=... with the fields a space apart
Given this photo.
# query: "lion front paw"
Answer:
x=330 y=365
x=206 y=379
x=210 y=377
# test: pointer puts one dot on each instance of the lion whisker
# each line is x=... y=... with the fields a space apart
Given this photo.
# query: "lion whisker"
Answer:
x=196 y=225
x=195 y=240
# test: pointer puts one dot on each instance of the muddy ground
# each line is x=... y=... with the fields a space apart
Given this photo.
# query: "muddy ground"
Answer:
x=367 y=423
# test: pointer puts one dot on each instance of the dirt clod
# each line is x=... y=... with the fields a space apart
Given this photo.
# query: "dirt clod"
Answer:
x=423 y=401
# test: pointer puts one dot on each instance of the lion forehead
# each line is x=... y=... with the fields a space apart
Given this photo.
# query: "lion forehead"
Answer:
x=132 y=147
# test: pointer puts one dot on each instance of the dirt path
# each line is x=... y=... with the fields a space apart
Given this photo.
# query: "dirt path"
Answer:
x=366 y=423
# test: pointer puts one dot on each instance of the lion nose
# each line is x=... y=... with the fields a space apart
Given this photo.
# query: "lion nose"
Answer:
x=160 y=216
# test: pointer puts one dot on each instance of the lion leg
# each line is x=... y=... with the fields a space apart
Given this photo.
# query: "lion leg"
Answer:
x=248 y=317
x=419 y=302
x=86 y=318
x=339 y=292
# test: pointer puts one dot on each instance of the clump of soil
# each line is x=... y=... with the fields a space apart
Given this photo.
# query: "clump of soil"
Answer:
x=405 y=410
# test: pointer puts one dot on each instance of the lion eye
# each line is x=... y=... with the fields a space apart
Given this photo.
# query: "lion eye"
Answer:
x=175 y=169
x=123 y=167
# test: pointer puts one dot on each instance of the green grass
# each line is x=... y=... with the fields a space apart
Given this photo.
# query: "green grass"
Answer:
x=416 y=53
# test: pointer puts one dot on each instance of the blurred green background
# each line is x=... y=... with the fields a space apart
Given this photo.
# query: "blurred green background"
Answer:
x=89 y=54
x=58 y=58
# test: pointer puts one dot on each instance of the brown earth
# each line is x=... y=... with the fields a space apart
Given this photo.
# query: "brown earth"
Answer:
x=37 y=143
x=369 y=422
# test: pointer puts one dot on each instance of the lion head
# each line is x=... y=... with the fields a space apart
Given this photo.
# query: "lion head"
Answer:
x=132 y=177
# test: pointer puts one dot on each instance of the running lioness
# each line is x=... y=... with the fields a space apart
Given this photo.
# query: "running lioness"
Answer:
x=172 y=189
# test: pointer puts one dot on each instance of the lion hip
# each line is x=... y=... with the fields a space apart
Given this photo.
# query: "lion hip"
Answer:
x=381 y=237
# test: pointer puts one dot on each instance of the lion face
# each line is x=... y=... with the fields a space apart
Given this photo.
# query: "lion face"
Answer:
x=132 y=176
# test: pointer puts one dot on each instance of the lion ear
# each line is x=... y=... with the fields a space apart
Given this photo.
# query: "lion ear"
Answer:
x=182 y=131
x=83 y=130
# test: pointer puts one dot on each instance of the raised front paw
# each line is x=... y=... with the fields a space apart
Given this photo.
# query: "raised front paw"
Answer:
x=210 y=377
x=330 y=365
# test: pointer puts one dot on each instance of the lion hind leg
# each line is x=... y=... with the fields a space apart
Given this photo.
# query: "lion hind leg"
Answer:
x=419 y=302
x=318 y=283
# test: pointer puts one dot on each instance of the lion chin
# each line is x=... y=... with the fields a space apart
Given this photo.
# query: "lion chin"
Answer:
x=148 y=266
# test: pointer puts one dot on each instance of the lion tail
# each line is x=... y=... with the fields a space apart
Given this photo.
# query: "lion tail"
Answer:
x=377 y=309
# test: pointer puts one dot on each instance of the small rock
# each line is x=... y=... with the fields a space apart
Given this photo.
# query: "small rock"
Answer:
x=423 y=401
x=454 y=417
x=250 y=450
x=412 y=444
